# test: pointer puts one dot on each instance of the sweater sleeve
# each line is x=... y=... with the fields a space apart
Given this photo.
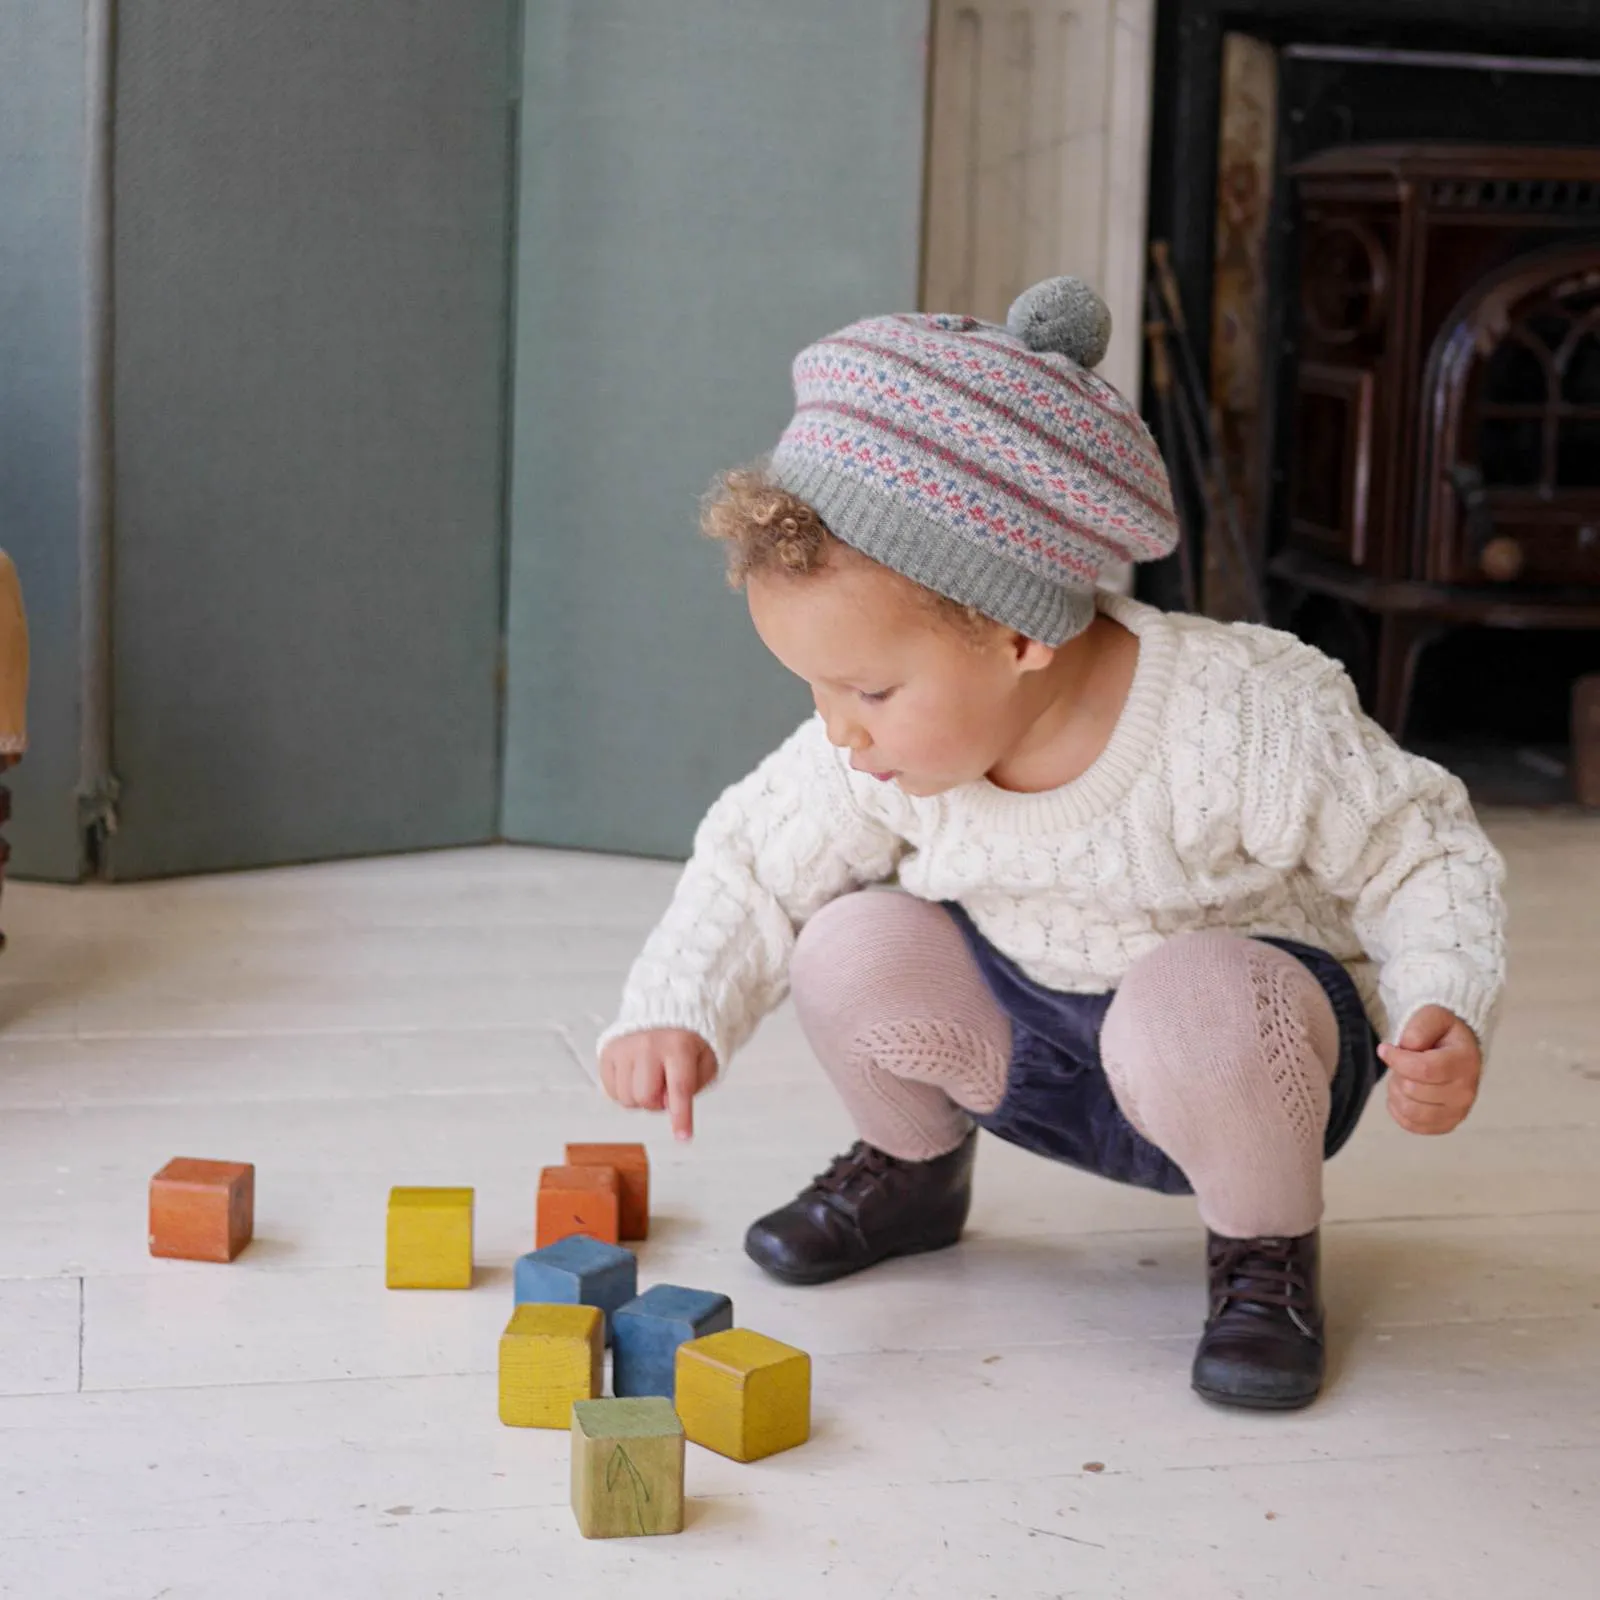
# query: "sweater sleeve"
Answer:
x=771 y=852
x=1390 y=834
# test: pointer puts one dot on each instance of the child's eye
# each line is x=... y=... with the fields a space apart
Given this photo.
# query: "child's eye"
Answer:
x=877 y=698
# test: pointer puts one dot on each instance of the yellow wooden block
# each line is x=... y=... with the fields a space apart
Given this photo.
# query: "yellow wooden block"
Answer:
x=744 y=1395
x=550 y=1356
x=430 y=1239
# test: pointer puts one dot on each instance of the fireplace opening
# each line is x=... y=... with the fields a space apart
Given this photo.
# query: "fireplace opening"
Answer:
x=1389 y=221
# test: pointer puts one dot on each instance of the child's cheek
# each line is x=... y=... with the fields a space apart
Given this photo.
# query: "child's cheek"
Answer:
x=927 y=744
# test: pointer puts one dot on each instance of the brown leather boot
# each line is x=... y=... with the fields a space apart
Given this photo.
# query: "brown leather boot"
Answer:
x=1262 y=1347
x=866 y=1207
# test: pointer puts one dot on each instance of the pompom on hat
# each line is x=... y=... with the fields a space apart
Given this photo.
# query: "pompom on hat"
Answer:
x=988 y=464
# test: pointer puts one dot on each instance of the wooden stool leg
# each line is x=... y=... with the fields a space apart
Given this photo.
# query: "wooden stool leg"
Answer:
x=1402 y=637
x=1586 y=740
x=13 y=691
x=5 y=817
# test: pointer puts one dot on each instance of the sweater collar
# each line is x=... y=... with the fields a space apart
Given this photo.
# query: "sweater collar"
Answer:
x=1127 y=753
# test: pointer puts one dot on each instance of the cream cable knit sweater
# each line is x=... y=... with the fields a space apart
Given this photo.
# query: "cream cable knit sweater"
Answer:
x=1242 y=788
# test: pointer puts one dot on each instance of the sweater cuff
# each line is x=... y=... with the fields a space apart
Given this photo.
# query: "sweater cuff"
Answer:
x=1476 y=1003
x=642 y=1021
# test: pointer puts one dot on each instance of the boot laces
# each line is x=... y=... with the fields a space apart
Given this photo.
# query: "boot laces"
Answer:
x=1263 y=1274
x=855 y=1175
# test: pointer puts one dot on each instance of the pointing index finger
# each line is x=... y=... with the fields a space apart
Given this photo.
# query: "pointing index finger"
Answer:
x=680 y=1097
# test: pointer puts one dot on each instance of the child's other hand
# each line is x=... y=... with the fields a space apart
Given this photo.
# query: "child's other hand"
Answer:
x=660 y=1069
x=1433 y=1072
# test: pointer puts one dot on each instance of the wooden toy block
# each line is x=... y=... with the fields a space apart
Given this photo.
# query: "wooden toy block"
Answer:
x=627 y=1467
x=744 y=1395
x=647 y=1332
x=202 y=1210
x=429 y=1239
x=579 y=1200
x=580 y=1271
x=549 y=1357
x=633 y=1169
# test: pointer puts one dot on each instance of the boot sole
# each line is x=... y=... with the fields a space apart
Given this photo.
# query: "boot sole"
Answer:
x=1255 y=1402
x=818 y=1275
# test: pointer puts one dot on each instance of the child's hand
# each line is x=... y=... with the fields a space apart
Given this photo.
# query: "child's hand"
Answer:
x=1433 y=1072
x=660 y=1069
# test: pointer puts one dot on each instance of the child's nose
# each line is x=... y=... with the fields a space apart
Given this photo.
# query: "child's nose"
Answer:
x=844 y=733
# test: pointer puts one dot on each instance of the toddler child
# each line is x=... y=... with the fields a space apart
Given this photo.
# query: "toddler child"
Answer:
x=1159 y=886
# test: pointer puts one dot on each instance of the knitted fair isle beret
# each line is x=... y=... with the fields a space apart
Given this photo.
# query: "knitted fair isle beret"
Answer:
x=988 y=464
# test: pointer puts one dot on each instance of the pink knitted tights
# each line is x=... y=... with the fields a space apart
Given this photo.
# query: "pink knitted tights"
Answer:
x=1219 y=1049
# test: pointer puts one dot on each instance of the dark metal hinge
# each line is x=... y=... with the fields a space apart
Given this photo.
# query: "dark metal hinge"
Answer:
x=97 y=806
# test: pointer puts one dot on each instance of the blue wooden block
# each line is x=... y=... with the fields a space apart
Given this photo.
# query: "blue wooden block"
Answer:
x=578 y=1271
x=649 y=1330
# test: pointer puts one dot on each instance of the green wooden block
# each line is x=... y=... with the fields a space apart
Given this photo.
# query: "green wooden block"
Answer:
x=627 y=1467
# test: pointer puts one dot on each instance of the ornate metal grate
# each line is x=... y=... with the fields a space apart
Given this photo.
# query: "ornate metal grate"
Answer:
x=1561 y=196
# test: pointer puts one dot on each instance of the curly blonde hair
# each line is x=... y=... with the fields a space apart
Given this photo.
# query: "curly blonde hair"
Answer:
x=765 y=529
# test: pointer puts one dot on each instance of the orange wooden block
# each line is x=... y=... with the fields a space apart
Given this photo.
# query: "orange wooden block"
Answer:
x=579 y=1200
x=633 y=1168
x=202 y=1210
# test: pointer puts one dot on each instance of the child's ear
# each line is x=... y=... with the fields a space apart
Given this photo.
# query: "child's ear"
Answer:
x=1029 y=654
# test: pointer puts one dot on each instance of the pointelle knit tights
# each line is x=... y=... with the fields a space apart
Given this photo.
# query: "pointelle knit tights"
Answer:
x=1219 y=1049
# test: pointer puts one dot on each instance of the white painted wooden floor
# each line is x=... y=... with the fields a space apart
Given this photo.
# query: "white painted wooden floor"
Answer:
x=286 y=1427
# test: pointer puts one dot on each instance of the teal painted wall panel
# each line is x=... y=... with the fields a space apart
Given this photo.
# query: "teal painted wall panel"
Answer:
x=705 y=187
x=312 y=217
x=41 y=358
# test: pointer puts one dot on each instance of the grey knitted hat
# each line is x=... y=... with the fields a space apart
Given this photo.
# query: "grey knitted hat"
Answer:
x=988 y=464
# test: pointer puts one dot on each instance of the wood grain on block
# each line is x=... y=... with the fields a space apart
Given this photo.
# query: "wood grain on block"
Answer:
x=579 y=1200
x=627 y=1468
x=550 y=1356
x=632 y=1162
x=744 y=1395
x=429 y=1239
x=202 y=1210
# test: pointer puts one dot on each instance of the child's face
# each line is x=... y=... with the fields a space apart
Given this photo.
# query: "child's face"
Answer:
x=909 y=696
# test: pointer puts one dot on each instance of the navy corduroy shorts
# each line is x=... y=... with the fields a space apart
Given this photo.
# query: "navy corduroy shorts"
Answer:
x=1058 y=1101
